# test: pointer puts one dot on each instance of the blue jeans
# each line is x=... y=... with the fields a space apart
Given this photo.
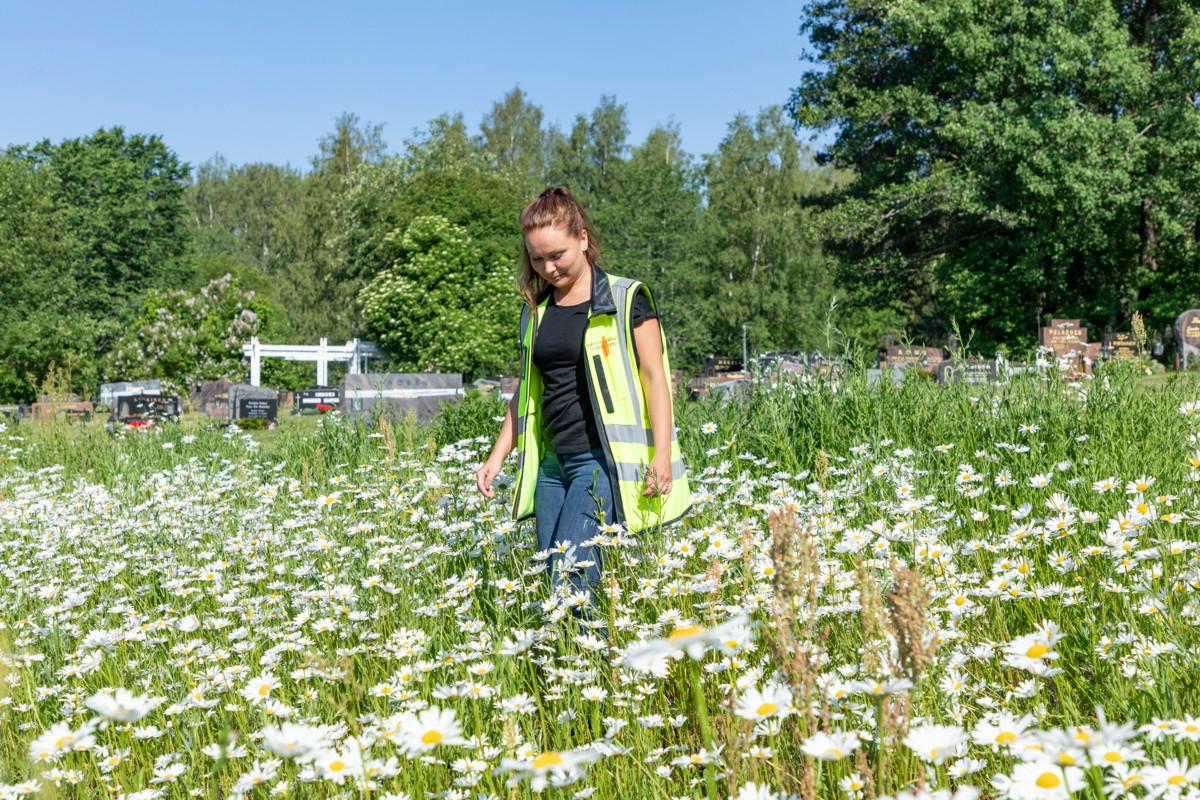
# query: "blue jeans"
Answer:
x=568 y=513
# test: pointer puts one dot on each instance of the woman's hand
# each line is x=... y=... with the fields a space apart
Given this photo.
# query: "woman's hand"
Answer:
x=658 y=477
x=484 y=476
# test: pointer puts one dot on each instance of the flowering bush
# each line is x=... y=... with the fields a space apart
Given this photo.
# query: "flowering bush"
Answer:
x=440 y=305
x=184 y=337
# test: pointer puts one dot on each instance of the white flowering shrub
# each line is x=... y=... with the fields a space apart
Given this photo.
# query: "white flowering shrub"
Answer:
x=440 y=306
x=185 y=337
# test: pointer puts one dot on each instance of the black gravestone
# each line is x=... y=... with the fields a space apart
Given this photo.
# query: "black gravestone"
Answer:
x=257 y=408
x=308 y=400
x=146 y=408
x=1120 y=345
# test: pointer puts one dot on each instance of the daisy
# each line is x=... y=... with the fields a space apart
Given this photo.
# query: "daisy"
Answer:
x=260 y=688
x=831 y=746
x=1040 y=780
x=122 y=705
x=1171 y=779
x=1004 y=730
x=556 y=767
x=935 y=743
x=773 y=701
x=292 y=741
x=336 y=766
x=61 y=738
x=429 y=729
x=1033 y=651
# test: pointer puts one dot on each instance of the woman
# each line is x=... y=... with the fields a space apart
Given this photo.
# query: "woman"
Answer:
x=594 y=444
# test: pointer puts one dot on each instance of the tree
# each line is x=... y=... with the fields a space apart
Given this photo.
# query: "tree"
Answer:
x=762 y=263
x=442 y=305
x=251 y=211
x=38 y=323
x=122 y=196
x=512 y=138
x=1012 y=159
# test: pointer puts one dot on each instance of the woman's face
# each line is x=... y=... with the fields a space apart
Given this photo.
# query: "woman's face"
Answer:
x=556 y=255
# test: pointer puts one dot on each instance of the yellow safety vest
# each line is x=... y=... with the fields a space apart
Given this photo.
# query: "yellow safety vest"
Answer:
x=618 y=402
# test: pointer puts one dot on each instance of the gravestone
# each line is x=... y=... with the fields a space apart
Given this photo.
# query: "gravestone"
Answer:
x=907 y=355
x=69 y=410
x=1187 y=334
x=423 y=392
x=212 y=398
x=253 y=402
x=13 y=412
x=825 y=366
x=1067 y=339
x=971 y=371
x=109 y=392
x=307 y=400
x=1119 y=345
x=146 y=408
x=715 y=364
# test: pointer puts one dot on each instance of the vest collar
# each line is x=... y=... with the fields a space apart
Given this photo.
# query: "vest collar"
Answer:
x=602 y=299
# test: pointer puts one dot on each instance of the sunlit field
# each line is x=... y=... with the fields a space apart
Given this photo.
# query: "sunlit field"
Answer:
x=881 y=591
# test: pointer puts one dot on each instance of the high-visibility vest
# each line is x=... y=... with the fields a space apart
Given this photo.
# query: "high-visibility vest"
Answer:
x=618 y=404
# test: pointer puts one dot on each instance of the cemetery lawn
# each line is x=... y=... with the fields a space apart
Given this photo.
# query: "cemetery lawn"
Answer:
x=957 y=587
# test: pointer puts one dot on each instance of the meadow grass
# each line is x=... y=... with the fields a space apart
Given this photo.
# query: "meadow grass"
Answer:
x=885 y=588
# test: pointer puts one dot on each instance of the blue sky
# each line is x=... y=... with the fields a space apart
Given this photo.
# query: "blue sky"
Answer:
x=263 y=81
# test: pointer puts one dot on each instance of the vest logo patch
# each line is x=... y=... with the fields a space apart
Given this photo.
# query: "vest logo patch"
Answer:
x=604 y=346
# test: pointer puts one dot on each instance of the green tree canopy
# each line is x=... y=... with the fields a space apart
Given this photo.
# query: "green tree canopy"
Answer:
x=1010 y=158
x=442 y=305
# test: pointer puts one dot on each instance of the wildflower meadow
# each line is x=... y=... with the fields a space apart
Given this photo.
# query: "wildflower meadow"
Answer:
x=906 y=591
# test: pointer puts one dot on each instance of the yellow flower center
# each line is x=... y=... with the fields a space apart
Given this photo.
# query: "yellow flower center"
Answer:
x=1048 y=780
x=1191 y=728
x=550 y=758
x=1177 y=780
x=337 y=766
x=1006 y=737
x=1066 y=758
x=684 y=632
x=833 y=751
x=64 y=742
x=1037 y=650
x=766 y=709
x=431 y=737
x=264 y=690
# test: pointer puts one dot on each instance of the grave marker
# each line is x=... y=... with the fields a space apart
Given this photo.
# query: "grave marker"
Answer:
x=1067 y=339
x=1120 y=345
x=308 y=400
x=253 y=402
x=212 y=398
x=1187 y=333
x=146 y=408
x=908 y=355
x=257 y=408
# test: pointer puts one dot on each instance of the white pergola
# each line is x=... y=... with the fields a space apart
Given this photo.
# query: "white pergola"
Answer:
x=354 y=351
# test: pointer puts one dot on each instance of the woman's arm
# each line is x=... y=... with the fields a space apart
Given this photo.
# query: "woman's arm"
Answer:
x=500 y=450
x=648 y=340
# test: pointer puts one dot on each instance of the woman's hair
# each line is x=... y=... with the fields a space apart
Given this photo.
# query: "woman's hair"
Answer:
x=555 y=206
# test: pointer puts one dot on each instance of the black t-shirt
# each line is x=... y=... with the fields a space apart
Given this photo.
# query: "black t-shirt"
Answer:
x=558 y=355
